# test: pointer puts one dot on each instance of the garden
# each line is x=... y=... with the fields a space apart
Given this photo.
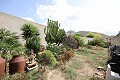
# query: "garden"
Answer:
x=63 y=55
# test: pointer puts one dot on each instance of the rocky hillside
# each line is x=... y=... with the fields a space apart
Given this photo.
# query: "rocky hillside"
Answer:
x=104 y=36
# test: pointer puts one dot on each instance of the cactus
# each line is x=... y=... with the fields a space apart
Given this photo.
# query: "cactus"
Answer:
x=53 y=33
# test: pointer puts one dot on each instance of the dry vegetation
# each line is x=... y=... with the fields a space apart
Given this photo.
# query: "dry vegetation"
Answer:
x=87 y=64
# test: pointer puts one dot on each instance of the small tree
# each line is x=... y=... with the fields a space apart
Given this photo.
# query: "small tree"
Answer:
x=98 y=36
x=47 y=57
x=90 y=35
x=53 y=33
x=30 y=34
x=80 y=41
x=97 y=42
x=78 y=34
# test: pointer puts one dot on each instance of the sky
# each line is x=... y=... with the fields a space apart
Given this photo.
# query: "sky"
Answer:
x=79 y=15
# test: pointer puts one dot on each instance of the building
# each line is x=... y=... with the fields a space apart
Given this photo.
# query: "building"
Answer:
x=116 y=40
x=14 y=24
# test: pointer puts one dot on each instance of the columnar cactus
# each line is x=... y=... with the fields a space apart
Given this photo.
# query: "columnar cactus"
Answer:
x=53 y=33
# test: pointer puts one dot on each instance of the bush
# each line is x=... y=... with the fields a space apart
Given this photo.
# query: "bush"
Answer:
x=80 y=41
x=56 y=50
x=65 y=56
x=68 y=54
x=98 y=36
x=46 y=57
x=70 y=41
x=97 y=42
x=33 y=44
x=90 y=35
x=78 y=34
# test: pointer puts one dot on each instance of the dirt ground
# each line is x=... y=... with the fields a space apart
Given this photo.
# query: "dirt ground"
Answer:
x=84 y=73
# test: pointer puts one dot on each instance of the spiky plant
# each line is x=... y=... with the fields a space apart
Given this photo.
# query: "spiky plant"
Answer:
x=9 y=43
x=30 y=34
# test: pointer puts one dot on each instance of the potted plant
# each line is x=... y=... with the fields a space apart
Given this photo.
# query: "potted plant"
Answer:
x=10 y=47
x=18 y=62
x=2 y=66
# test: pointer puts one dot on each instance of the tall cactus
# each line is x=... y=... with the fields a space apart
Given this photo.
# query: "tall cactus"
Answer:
x=53 y=33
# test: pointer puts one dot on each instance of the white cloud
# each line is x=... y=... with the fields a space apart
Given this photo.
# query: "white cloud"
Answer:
x=29 y=19
x=96 y=15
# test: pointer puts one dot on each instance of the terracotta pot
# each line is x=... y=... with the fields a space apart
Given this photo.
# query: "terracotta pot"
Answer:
x=17 y=64
x=2 y=66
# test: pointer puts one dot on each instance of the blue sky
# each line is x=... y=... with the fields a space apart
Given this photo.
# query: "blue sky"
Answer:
x=22 y=8
x=80 y=15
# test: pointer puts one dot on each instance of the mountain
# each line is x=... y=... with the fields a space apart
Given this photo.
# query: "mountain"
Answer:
x=71 y=32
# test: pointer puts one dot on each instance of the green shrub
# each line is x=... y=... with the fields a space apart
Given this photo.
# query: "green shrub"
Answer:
x=56 y=50
x=80 y=41
x=98 y=36
x=78 y=34
x=46 y=57
x=97 y=42
x=90 y=35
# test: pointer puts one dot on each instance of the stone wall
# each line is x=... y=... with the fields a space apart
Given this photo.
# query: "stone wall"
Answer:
x=14 y=24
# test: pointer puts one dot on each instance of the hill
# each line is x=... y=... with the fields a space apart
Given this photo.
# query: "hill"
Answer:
x=104 y=36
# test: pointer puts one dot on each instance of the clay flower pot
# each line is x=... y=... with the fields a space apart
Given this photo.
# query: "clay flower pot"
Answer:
x=17 y=64
x=2 y=66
